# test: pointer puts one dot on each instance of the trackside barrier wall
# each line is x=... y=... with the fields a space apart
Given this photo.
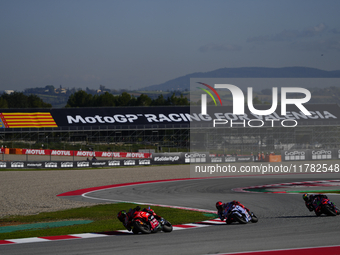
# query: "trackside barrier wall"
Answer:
x=104 y=154
x=156 y=159
x=74 y=164
x=176 y=158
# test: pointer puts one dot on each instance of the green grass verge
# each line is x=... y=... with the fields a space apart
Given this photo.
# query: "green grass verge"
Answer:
x=103 y=217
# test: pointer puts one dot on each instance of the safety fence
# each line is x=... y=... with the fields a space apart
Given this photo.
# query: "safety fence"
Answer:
x=172 y=158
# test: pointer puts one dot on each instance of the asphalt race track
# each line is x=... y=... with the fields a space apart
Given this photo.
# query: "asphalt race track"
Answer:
x=284 y=221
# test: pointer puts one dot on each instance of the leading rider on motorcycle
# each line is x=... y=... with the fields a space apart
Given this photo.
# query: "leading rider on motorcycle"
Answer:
x=313 y=203
x=223 y=209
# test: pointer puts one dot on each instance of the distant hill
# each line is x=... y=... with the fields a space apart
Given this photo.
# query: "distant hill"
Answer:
x=183 y=82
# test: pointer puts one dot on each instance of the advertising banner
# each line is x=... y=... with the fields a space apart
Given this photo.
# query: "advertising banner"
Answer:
x=315 y=154
x=164 y=116
x=67 y=164
x=113 y=163
x=293 y=155
x=196 y=157
x=30 y=164
x=244 y=158
x=101 y=163
x=168 y=158
x=321 y=154
x=86 y=153
x=83 y=164
x=230 y=159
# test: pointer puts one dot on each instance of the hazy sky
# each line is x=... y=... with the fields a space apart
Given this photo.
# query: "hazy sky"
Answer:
x=132 y=44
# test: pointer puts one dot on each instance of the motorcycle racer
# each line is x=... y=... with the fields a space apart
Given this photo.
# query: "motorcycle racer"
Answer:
x=313 y=203
x=126 y=217
x=223 y=209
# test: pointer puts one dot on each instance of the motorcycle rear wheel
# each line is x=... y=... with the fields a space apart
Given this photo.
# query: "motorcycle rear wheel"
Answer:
x=144 y=228
x=239 y=219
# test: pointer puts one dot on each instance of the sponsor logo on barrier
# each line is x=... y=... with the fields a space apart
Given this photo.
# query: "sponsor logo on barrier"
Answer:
x=34 y=164
x=35 y=152
x=321 y=154
x=129 y=162
x=114 y=163
x=144 y=162
x=295 y=155
x=51 y=164
x=124 y=154
x=109 y=154
x=230 y=159
x=3 y=164
x=195 y=157
x=60 y=153
x=98 y=163
x=66 y=164
x=245 y=158
x=83 y=164
x=216 y=160
x=166 y=158
x=17 y=164
x=85 y=153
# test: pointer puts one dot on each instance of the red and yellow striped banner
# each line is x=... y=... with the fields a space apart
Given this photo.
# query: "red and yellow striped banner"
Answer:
x=27 y=120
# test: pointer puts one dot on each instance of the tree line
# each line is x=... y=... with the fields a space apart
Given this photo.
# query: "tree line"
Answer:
x=84 y=99
x=19 y=100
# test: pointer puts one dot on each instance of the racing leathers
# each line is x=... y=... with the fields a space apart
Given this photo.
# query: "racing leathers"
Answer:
x=127 y=220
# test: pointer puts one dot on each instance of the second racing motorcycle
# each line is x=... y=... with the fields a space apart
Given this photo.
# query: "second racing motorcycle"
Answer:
x=240 y=215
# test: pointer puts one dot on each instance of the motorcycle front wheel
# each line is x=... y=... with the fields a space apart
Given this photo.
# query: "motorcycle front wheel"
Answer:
x=239 y=219
x=167 y=227
x=254 y=219
x=326 y=209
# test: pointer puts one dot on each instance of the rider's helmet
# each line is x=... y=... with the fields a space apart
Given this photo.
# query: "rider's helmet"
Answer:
x=219 y=205
x=121 y=215
x=305 y=197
